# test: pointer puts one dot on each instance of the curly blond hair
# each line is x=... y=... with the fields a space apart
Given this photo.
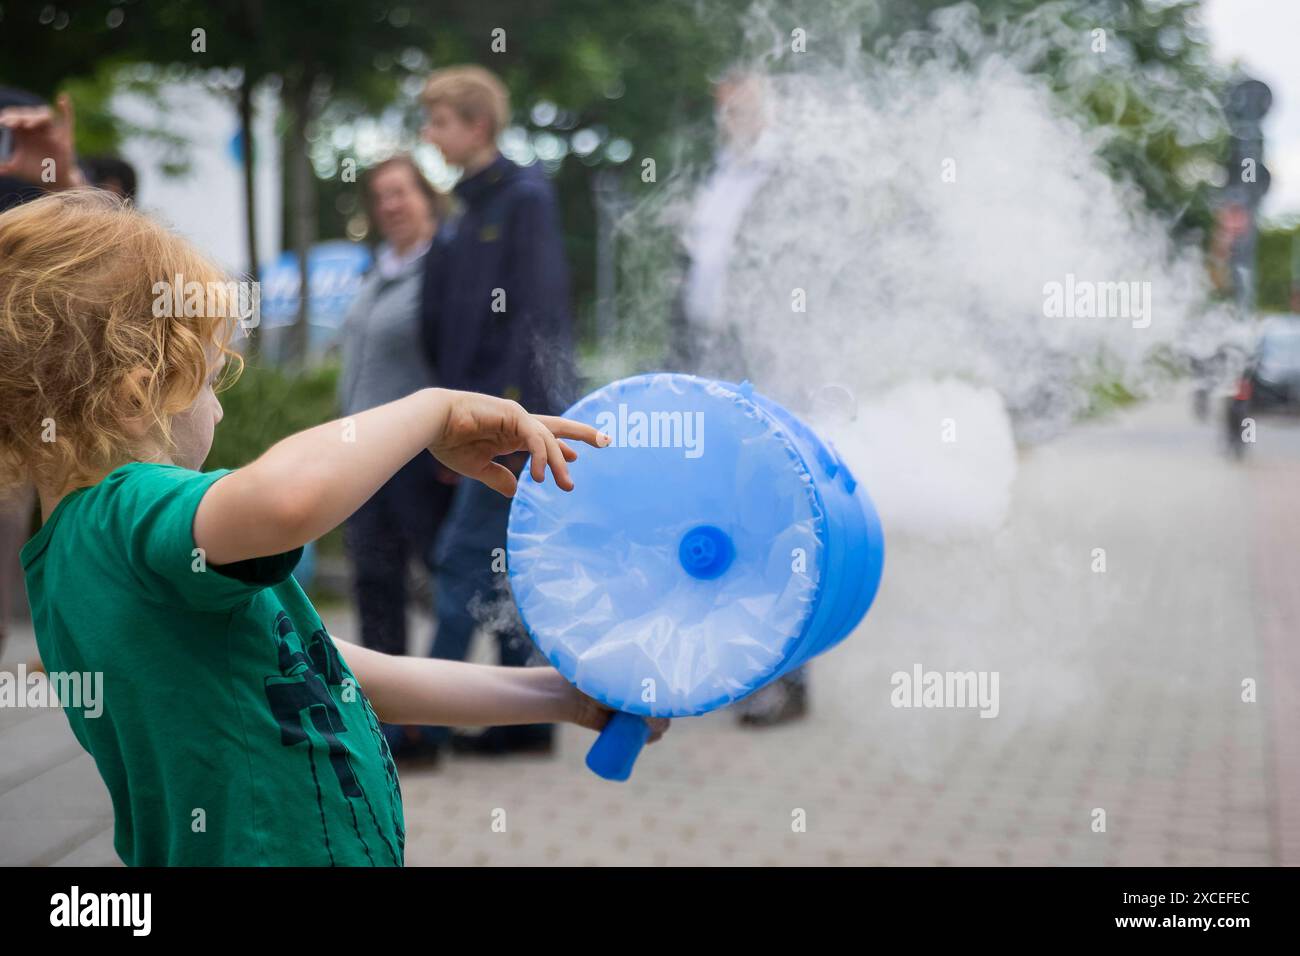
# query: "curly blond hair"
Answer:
x=80 y=274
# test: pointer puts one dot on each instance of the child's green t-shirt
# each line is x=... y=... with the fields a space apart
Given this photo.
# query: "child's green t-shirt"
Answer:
x=232 y=731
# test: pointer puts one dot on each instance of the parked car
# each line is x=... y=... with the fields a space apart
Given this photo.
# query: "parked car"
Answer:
x=1270 y=383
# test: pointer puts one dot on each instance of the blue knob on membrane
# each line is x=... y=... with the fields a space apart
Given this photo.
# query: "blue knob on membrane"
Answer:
x=706 y=552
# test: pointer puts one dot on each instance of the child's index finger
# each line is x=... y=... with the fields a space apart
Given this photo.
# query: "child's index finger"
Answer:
x=568 y=428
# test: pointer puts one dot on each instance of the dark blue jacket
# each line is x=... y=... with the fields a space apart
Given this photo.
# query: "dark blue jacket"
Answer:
x=495 y=302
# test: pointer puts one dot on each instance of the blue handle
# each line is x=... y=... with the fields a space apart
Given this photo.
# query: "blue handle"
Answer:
x=616 y=749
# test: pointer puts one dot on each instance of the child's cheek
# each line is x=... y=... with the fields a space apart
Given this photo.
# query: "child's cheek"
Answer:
x=192 y=430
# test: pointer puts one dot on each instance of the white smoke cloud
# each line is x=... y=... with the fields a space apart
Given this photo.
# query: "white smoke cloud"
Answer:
x=921 y=201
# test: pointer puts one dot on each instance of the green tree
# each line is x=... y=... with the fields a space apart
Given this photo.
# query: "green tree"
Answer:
x=1277 y=256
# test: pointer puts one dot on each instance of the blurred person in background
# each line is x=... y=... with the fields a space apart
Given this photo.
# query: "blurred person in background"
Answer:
x=704 y=337
x=111 y=173
x=496 y=319
x=39 y=157
x=382 y=362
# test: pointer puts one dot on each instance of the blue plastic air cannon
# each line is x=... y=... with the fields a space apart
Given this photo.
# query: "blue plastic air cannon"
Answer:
x=715 y=545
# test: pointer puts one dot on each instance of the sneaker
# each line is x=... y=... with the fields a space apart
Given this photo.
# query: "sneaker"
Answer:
x=411 y=748
x=778 y=703
x=502 y=741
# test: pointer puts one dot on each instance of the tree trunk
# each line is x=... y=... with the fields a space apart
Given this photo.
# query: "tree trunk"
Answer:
x=302 y=208
x=250 y=196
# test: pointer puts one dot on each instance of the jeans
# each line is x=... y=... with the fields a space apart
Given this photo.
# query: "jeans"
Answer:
x=472 y=586
x=398 y=522
x=15 y=528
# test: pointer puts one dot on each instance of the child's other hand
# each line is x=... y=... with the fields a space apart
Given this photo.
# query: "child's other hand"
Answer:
x=479 y=428
x=592 y=714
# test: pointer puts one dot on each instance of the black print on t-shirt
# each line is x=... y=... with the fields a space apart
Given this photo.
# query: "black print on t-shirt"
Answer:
x=301 y=694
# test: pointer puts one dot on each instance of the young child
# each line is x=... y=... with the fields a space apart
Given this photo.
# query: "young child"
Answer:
x=233 y=730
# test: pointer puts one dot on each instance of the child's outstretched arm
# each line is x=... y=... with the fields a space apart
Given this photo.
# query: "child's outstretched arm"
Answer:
x=412 y=690
x=310 y=482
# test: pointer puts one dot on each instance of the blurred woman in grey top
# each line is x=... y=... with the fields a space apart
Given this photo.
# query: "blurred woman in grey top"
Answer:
x=380 y=336
x=383 y=361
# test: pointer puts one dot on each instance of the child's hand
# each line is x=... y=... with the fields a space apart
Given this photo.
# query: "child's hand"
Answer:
x=479 y=427
x=592 y=714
